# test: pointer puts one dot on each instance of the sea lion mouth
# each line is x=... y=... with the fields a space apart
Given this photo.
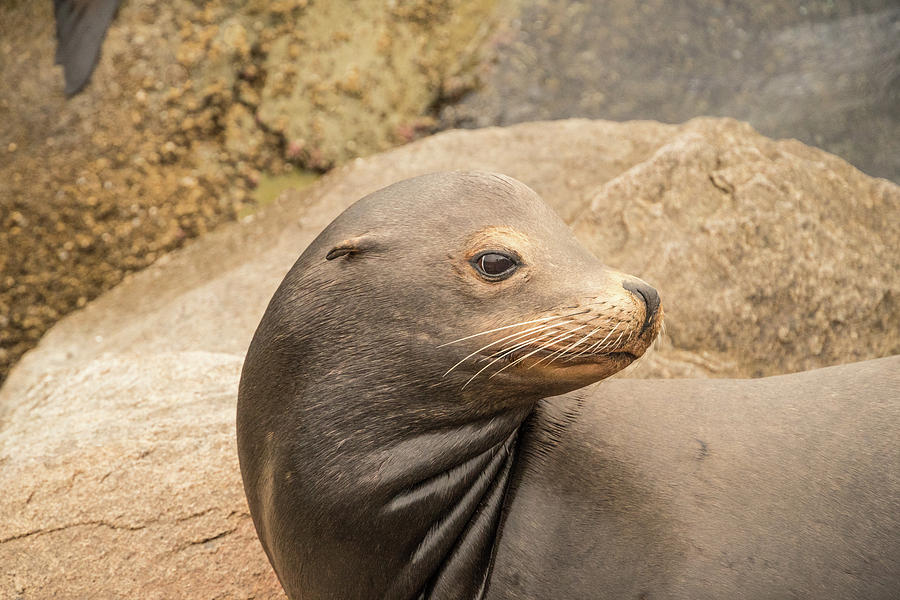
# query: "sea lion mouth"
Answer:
x=575 y=346
x=543 y=367
x=548 y=365
x=626 y=357
x=532 y=357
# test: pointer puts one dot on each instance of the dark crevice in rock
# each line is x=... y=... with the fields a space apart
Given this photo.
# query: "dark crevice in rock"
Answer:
x=207 y=539
x=38 y=532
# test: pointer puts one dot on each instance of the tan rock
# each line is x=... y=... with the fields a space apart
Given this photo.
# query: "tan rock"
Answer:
x=242 y=136
x=325 y=86
x=120 y=480
x=772 y=255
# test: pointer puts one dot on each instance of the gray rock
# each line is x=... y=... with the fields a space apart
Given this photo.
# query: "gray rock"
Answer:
x=825 y=72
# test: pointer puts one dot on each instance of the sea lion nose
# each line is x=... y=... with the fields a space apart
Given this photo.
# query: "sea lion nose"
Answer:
x=648 y=295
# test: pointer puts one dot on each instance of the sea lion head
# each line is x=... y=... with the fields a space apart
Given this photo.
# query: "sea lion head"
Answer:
x=465 y=282
x=395 y=365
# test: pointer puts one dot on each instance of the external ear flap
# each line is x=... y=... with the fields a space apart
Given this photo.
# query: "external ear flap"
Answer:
x=350 y=246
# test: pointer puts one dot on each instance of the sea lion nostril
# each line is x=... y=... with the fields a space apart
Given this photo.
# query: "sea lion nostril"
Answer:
x=649 y=296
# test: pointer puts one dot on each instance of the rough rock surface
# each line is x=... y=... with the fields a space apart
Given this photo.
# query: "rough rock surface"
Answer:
x=117 y=448
x=120 y=480
x=773 y=255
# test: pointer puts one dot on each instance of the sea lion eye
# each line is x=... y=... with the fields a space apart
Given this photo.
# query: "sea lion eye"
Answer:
x=495 y=266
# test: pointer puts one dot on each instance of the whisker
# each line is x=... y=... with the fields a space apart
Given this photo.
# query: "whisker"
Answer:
x=550 y=326
x=585 y=337
x=613 y=344
x=468 y=337
x=482 y=370
x=513 y=335
x=500 y=354
x=658 y=342
x=504 y=353
x=564 y=335
x=544 y=347
x=557 y=354
x=583 y=351
x=546 y=323
x=542 y=319
x=595 y=345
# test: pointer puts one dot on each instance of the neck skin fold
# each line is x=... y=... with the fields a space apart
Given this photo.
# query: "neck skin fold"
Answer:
x=463 y=502
x=423 y=504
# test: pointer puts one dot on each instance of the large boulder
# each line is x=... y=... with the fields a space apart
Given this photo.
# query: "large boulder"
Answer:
x=120 y=480
x=117 y=448
x=771 y=255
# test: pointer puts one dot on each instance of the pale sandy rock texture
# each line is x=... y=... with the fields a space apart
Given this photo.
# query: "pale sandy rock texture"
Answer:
x=120 y=480
x=116 y=432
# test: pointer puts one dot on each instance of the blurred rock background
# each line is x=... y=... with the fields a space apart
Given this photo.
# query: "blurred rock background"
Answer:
x=195 y=104
x=825 y=72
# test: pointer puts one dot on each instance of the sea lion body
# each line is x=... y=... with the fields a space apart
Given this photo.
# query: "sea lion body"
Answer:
x=782 y=487
x=409 y=427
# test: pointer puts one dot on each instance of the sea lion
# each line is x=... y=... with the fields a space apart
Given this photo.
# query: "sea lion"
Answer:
x=408 y=427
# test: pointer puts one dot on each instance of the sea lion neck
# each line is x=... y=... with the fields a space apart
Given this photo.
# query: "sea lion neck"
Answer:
x=451 y=484
x=424 y=487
